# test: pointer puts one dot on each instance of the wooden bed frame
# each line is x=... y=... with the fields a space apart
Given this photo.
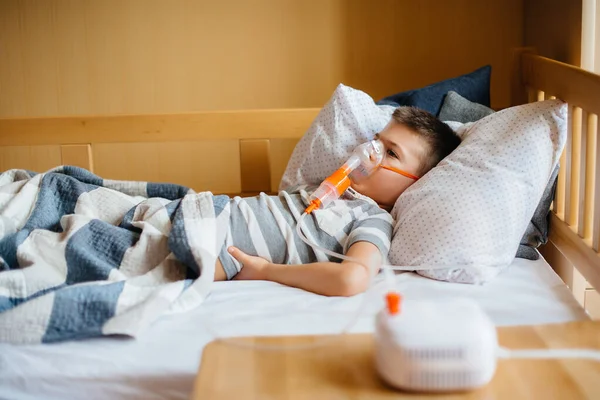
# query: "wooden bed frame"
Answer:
x=246 y=152
x=575 y=219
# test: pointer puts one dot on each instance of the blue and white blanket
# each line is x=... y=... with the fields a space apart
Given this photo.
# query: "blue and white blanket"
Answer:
x=82 y=256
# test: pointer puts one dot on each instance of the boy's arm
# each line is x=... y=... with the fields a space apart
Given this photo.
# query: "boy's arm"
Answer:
x=326 y=278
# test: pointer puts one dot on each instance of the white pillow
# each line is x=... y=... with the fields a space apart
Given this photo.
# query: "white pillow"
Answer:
x=472 y=209
x=349 y=118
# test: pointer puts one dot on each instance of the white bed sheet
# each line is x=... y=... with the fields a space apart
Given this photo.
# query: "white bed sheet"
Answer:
x=162 y=362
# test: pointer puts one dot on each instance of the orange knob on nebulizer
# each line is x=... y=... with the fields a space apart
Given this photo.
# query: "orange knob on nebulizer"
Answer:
x=393 y=301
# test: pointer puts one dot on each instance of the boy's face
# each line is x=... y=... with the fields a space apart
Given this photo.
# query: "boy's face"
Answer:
x=403 y=150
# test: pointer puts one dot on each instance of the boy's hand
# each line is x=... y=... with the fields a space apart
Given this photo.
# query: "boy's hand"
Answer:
x=253 y=268
x=327 y=278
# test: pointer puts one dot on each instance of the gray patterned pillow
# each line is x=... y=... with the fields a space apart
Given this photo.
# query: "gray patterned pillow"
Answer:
x=457 y=108
x=537 y=230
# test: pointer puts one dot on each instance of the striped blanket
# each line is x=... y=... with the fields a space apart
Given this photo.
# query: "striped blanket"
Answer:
x=82 y=256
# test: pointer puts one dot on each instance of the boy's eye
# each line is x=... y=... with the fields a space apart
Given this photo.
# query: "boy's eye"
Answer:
x=391 y=154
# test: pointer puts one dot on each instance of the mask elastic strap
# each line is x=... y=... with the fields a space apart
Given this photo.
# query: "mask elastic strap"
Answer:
x=399 y=171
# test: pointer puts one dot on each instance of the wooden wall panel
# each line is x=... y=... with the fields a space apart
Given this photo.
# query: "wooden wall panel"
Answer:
x=33 y=158
x=281 y=151
x=62 y=57
x=173 y=162
x=79 y=155
x=255 y=169
x=553 y=28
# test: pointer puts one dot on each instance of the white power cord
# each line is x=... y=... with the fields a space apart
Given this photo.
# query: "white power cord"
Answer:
x=586 y=354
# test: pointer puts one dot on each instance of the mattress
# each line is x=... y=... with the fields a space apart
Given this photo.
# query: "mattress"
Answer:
x=163 y=361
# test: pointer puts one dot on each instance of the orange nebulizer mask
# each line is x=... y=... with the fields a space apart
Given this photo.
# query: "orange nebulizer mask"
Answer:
x=365 y=159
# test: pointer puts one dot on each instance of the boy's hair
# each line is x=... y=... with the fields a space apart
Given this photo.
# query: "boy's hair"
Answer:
x=440 y=138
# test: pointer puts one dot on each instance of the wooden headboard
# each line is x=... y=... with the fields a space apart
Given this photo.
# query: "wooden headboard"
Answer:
x=237 y=152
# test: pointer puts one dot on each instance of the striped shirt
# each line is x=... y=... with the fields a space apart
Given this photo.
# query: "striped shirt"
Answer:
x=265 y=226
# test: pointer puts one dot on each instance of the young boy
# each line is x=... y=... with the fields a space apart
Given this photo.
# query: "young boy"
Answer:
x=358 y=224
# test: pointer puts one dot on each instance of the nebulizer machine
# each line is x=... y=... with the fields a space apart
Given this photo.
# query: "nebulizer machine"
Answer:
x=429 y=346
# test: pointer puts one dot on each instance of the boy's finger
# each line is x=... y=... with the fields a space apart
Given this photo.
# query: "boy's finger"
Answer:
x=236 y=253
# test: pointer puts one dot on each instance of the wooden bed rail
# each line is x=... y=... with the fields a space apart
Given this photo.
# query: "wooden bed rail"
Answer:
x=244 y=124
x=234 y=152
x=575 y=221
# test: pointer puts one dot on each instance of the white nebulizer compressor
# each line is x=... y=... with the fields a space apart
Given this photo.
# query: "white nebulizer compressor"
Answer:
x=445 y=345
x=435 y=346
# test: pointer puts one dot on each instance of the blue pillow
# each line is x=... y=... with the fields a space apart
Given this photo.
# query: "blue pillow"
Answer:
x=474 y=86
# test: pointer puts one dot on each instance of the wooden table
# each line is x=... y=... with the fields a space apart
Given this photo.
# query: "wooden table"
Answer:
x=343 y=369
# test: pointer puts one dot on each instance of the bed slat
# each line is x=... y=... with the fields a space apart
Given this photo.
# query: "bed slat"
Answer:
x=566 y=166
x=590 y=175
x=541 y=96
x=581 y=184
x=573 y=185
x=558 y=205
x=596 y=200
x=559 y=196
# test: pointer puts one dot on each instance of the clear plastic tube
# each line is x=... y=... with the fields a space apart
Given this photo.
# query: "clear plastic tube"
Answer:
x=316 y=246
x=384 y=267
